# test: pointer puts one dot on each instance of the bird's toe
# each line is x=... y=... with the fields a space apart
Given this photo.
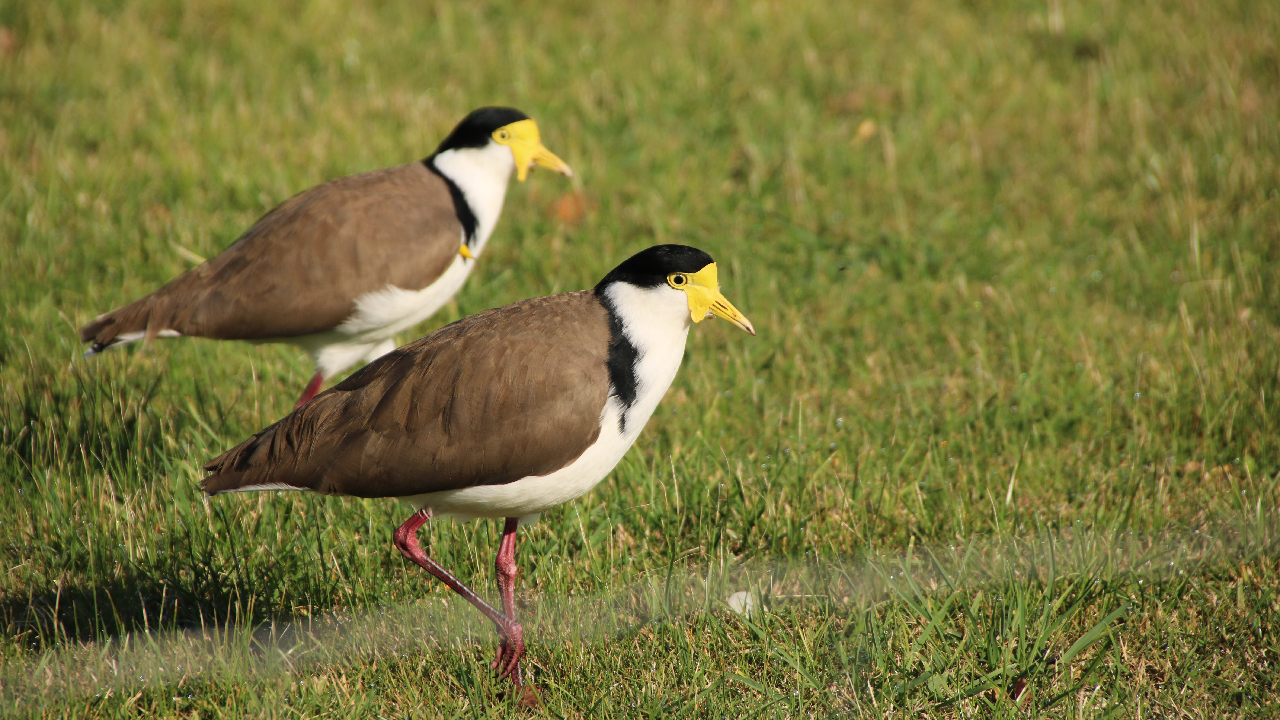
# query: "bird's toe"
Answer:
x=510 y=650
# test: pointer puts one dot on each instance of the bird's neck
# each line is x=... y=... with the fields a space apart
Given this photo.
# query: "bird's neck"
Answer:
x=648 y=330
x=480 y=177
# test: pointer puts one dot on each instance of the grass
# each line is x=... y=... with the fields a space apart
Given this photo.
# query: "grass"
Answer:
x=1005 y=444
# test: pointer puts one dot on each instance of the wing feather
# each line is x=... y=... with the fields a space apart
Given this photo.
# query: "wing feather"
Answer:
x=510 y=393
x=300 y=268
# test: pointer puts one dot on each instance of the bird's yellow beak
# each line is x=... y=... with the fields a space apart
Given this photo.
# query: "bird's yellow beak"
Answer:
x=526 y=144
x=705 y=300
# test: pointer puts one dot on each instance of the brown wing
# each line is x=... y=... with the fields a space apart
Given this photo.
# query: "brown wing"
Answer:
x=299 y=269
x=492 y=398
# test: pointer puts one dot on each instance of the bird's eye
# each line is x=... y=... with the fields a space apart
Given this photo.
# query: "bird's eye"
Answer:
x=504 y=134
x=677 y=280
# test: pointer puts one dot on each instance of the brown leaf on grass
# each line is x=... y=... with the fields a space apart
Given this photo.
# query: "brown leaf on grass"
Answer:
x=1017 y=688
x=1014 y=691
x=847 y=104
x=8 y=41
x=571 y=208
x=853 y=102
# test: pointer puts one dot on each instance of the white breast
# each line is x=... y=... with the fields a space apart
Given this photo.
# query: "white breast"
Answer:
x=383 y=313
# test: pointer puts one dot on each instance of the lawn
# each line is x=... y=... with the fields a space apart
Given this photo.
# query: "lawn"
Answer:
x=1006 y=444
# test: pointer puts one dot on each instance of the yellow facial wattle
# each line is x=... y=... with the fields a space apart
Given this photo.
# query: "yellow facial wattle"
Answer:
x=705 y=300
x=526 y=145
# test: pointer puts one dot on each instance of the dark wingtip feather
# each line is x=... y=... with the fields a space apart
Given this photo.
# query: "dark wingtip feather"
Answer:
x=225 y=474
x=89 y=333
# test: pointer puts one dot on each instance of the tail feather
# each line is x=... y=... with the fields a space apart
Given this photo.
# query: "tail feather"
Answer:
x=136 y=321
x=235 y=469
x=267 y=461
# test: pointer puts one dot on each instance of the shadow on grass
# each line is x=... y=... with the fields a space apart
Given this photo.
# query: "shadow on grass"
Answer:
x=1029 y=608
x=136 y=603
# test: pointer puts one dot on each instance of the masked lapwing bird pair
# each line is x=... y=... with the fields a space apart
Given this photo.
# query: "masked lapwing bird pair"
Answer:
x=504 y=414
x=341 y=268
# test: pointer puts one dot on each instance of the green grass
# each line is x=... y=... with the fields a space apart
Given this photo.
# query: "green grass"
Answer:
x=1007 y=430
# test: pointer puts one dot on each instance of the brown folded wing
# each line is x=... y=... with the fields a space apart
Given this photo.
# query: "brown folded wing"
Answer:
x=495 y=397
x=299 y=269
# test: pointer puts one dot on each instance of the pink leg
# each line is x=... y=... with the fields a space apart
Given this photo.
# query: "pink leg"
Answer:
x=507 y=571
x=406 y=538
x=313 y=388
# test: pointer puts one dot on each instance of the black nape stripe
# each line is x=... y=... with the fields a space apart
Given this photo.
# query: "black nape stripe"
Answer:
x=623 y=357
x=460 y=206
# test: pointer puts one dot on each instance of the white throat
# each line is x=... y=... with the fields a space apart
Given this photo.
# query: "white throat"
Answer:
x=656 y=321
x=482 y=175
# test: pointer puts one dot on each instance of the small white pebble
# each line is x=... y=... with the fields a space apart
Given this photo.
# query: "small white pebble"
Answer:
x=743 y=603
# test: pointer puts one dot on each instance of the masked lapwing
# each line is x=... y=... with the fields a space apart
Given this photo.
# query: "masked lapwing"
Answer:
x=503 y=414
x=341 y=268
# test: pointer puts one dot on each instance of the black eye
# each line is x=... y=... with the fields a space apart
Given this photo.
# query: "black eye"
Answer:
x=504 y=134
x=677 y=280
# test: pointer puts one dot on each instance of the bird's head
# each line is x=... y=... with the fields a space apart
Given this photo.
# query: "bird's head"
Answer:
x=675 y=273
x=490 y=128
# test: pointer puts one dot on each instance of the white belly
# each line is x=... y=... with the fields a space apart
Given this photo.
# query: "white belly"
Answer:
x=370 y=331
x=534 y=495
x=381 y=314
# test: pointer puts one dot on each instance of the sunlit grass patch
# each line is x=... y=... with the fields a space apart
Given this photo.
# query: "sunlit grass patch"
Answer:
x=1012 y=268
x=1033 y=624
